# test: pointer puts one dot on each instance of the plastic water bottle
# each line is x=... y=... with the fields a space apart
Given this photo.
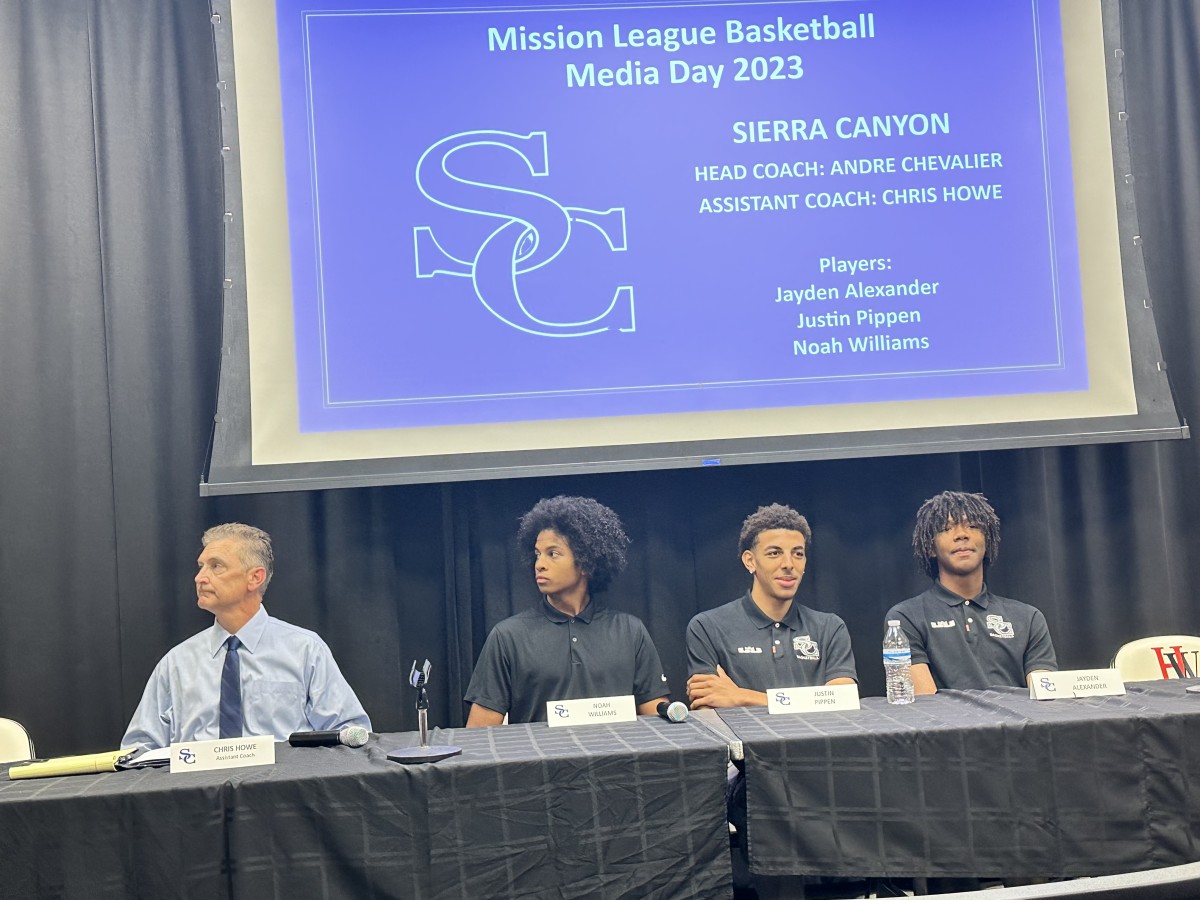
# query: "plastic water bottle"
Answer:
x=897 y=664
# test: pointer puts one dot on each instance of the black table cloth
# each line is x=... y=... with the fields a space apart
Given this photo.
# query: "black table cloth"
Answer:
x=629 y=810
x=976 y=783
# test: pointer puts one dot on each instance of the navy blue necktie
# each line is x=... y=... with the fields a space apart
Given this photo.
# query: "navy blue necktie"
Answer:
x=231 y=691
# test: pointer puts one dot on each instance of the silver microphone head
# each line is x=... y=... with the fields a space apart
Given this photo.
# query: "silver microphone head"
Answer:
x=677 y=712
x=418 y=678
x=353 y=736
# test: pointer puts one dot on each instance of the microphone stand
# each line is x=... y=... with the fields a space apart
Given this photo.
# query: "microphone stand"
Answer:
x=423 y=716
x=418 y=679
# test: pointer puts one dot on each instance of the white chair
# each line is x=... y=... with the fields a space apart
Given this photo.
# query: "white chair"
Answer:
x=15 y=743
x=1164 y=656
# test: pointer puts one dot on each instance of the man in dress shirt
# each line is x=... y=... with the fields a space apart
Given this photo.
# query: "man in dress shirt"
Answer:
x=249 y=674
x=962 y=635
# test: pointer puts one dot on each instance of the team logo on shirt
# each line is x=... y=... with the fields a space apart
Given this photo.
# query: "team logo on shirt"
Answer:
x=999 y=628
x=805 y=647
x=943 y=623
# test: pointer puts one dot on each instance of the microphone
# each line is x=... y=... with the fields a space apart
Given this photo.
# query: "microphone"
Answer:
x=351 y=736
x=673 y=712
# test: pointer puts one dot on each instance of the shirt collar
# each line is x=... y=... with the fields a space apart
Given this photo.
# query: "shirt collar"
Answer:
x=762 y=620
x=952 y=599
x=555 y=615
x=248 y=635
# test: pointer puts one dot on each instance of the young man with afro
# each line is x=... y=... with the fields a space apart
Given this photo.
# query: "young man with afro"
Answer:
x=570 y=646
x=962 y=635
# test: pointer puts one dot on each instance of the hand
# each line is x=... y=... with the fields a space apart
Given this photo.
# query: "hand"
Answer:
x=712 y=691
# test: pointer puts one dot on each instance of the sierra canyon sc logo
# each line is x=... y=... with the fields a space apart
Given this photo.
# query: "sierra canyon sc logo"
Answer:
x=528 y=231
x=805 y=647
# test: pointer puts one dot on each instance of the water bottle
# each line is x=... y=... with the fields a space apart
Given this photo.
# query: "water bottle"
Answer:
x=897 y=664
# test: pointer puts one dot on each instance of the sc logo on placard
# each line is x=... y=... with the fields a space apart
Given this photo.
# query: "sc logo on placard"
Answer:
x=532 y=230
x=561 y=711
x=782 y=699
x=1047 y=684
x=186 y=756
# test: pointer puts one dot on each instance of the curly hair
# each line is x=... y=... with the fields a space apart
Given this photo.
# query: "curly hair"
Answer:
x=952 y=508
x=592 y=531
x=768 y=518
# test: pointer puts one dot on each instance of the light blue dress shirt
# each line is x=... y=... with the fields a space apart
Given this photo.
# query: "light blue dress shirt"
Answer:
x=290 y=682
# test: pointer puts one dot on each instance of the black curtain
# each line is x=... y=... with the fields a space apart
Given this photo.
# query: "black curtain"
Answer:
x=110 y=293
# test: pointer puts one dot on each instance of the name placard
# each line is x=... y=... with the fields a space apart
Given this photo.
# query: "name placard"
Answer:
x=1076 y=683
x=812 y=699
x=590 y=711
x=225 y=753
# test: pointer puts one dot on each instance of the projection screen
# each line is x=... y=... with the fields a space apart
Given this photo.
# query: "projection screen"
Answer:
x=515 y=239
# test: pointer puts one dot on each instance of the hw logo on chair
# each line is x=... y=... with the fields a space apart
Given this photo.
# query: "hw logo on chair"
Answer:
x=1175 y=661
x=531 y=230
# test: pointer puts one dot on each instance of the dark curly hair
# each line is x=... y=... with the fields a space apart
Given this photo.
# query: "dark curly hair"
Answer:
x=767 y=518
x=953 y=507
x=592 y=531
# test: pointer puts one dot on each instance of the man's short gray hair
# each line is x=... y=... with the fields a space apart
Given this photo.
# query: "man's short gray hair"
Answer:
x=253 y=546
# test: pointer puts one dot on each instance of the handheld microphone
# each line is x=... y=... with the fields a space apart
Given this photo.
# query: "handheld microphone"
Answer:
x=673 y=712
x=351 y=736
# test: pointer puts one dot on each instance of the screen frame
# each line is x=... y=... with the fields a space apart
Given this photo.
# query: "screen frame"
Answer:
x=230 y=468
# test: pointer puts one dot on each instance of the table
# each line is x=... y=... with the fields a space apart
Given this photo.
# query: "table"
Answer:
x=985 y=783
x=625 y=810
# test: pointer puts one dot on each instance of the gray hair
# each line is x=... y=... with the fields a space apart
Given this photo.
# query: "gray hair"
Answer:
x=253 y=546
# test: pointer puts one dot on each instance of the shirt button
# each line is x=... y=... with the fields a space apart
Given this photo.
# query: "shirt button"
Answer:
x=966 y=603
x=777 y=642
x=574 y=639
x=969 y=619
x=776 y=624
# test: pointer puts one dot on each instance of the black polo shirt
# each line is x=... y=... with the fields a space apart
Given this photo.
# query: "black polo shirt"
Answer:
x=986 y=641
x=541 y=655
x=806 y=648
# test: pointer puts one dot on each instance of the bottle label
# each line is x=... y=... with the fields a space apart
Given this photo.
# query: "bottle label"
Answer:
x=897 y=656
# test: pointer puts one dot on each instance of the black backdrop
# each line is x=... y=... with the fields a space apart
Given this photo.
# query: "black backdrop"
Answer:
x=110 y=291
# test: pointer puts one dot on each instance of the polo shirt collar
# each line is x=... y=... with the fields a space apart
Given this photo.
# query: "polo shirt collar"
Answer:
x=952 y=599
x=558 y=616
x=248 y=635
x=762 y=620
